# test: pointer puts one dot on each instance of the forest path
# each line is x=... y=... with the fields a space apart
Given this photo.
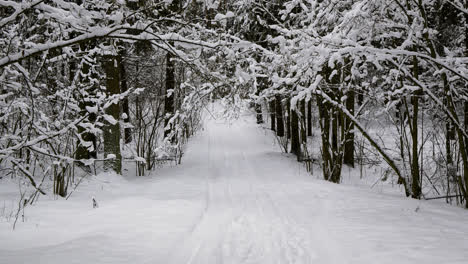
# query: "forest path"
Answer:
x=262 y=207
x=249 y=216
x=235 y=199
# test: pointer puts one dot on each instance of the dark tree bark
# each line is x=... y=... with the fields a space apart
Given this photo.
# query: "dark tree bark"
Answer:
x=337 y=137
x=84 y=152
x=462 y=141
x=262 y=84
x=111 y=131
x=288 y=119
x=169 y=95
x=324 y=122
x=125 y=107
x=309 y=118
x=295 y=142
x=401 y=121
x=349 y=131
x=279 y=117
x=258 y=110
x=448 y=150
x=210 y=15
x=415 y=170
x=466 y=122
x=466 y=102
x=360 y=97
x=332 y=129
x=303 y=121
x=272 y=114
x=465 y=140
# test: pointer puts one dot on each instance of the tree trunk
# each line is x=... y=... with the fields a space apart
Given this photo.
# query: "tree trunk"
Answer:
x=279 y=117
x=450 y=169
x=272 y=109
x=295 y=143
x=337 y=162
x=288 y=119
x=462 y=141
x=466 y=102
x=82 y=151
x=464 y=154
x=415 y=170
x=258 y=110
x=303 y=121
x=401 y=121
x=331 y=126
x=169 y=95
x=466 y=122
x=111 y=131
x=262 y=84
x=324 y=123
x=309 y=118
x=125 y=107
x=360 y=97
x=349 y=131
x=334 y=129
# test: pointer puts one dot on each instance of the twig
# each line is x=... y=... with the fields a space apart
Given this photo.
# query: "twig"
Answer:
x=78 y=183
x=29 y=176
x=442 y=197
x=19 y=205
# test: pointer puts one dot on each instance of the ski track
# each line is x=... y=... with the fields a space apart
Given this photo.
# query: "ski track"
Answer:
x=237 y=200
x=260 y=214
x=241 y=223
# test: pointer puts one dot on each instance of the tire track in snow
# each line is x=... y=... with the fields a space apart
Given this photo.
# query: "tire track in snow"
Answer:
x=249 y=216
x=315 y=244
x=267 y=235
x=203 y=243
x=316 y=239
x=291 y=240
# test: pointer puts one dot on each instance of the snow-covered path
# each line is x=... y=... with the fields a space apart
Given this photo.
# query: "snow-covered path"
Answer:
x=236 y=199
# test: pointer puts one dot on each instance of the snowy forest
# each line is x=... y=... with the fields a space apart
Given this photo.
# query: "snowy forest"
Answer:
x=222 y=131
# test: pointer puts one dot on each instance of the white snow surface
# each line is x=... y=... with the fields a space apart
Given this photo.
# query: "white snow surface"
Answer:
x=235 y=199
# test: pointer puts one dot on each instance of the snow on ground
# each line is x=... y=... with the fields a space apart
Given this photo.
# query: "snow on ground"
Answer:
x=235 y=199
